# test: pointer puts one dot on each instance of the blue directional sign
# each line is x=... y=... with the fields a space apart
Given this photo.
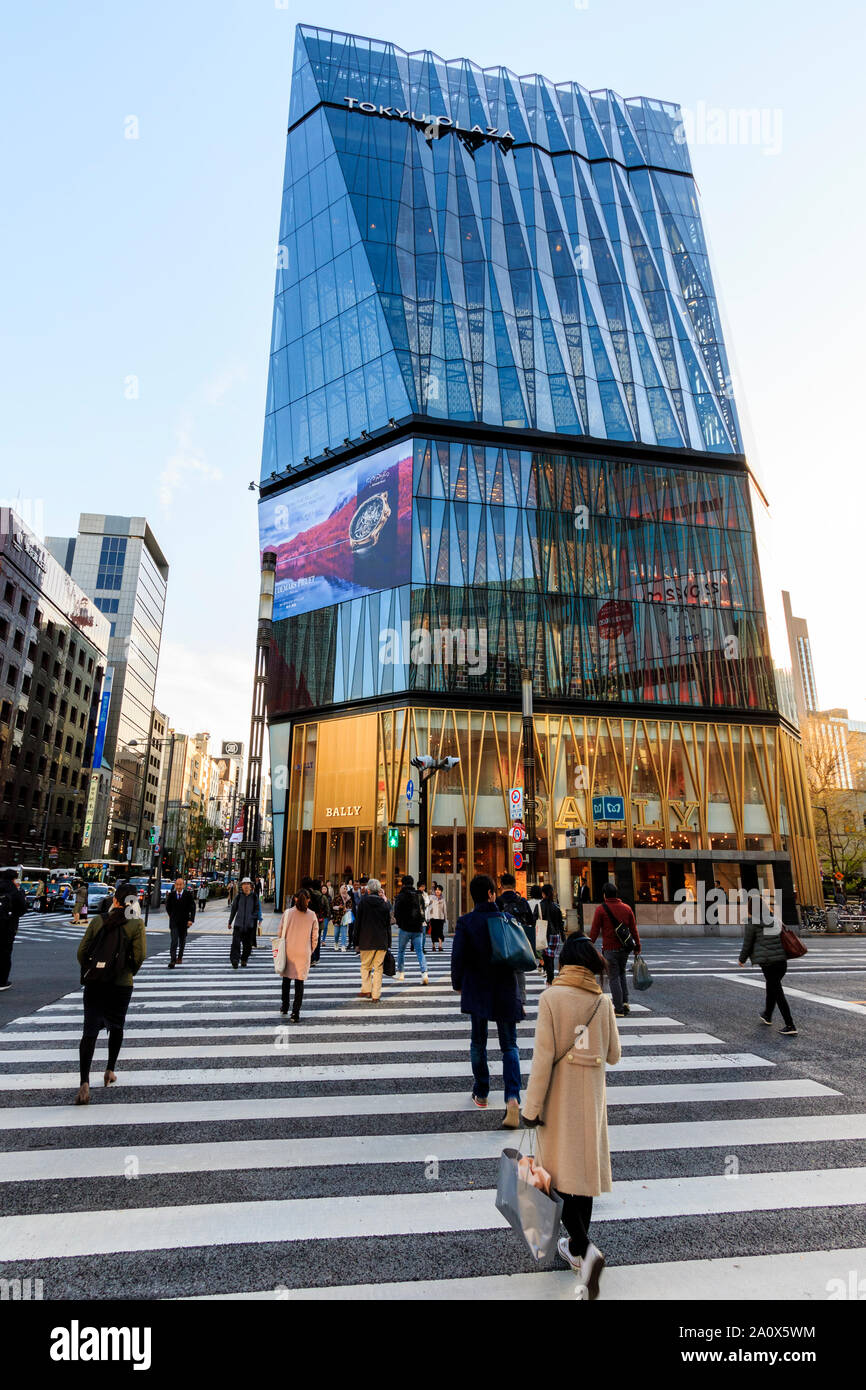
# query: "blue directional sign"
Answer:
x=410 y=789
x=608 y=808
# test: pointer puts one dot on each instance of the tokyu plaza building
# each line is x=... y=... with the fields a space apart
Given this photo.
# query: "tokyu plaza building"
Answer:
x=501 y=446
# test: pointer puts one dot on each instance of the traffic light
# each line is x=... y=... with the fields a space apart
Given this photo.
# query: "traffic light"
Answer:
x=393 y=837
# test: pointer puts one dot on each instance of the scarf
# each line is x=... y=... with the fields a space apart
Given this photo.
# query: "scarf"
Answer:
x=578 y=977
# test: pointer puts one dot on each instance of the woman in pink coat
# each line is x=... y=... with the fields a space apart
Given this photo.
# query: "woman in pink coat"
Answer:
x=300 y=927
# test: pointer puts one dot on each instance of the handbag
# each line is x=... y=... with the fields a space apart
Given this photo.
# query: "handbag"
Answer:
x=279 y=952
x=389 y=965
x=509 y=944
x=621 y=931
x=791 y=944
x=540 y=931
x=529 y=1210
x=640 y=973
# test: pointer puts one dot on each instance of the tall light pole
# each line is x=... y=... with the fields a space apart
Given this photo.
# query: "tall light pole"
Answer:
x=428 y=766
x=252 y=800
x=530 y=846
x=162 y=834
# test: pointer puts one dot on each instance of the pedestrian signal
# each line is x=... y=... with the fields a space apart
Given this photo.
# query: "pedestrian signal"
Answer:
x=393 y=837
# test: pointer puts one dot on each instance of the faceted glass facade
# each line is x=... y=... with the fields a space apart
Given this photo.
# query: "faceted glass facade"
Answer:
x=613 y=581
x=553 y=276
x=506 y=280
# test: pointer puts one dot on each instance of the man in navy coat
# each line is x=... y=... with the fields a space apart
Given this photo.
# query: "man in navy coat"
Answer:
x=488 y=992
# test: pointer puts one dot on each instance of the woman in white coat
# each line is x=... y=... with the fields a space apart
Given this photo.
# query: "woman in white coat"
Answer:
x=575 y=1035
x=300 y=928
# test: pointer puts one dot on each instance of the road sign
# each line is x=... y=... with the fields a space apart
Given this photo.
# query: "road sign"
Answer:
x=608 y=808
x=515 y=801
x=518 y=859
x=517 y=832
x=53 y=852
x=410 y=789
x=393 y=837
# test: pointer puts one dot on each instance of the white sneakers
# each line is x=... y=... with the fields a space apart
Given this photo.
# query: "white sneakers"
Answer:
x=588 y=1269
x=424 y=980
x=400 y=975
x=573 y=1260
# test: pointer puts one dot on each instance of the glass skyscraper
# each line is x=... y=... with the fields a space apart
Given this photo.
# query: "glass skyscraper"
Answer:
x=501 y=438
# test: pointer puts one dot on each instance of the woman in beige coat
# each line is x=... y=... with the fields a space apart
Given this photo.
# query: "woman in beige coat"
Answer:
x=300 y=927
x=575 y=1035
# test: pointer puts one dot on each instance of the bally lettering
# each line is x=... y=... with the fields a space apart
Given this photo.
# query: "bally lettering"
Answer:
x=342 y=811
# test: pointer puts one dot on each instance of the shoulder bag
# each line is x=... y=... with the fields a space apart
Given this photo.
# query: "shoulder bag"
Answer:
x=509 y=944
x=279 y=950
x=621 y=930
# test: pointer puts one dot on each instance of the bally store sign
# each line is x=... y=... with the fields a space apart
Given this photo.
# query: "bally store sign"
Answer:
x=433 y=126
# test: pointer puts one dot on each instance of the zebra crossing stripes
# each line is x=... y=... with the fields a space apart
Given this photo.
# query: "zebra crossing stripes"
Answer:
x=74 y=1233
x=448 y=1146
x=262 y=1165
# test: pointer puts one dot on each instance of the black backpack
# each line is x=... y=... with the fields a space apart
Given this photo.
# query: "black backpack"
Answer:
x=108 y=954
x=415 y=910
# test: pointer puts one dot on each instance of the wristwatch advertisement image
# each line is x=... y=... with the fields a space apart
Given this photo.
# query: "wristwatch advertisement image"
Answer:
x=368 y=523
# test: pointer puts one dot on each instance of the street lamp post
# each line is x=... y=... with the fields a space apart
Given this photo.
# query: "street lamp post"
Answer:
x=252 y=800
x=164 y=829
x=530 y=845
x=428 y=766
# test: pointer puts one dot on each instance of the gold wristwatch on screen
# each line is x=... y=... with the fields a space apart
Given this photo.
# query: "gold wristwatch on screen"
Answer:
x=367 y=524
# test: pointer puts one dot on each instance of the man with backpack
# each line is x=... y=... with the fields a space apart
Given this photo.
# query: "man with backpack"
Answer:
x=13 y=905
x=614 y=920
x=111 y=952
x=409 y=916
x=180 y=910
x=511 y=902
x=489 y=992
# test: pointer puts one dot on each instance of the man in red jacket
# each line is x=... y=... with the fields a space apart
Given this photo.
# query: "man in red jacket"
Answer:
x=609 y=915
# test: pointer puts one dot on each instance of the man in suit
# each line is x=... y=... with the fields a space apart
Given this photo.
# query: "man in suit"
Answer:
x=180 y=910
x=488 y=993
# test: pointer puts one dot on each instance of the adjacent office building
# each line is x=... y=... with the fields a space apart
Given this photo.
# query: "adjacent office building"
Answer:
x=501 y=439
x=116 y=561
x=53 y=649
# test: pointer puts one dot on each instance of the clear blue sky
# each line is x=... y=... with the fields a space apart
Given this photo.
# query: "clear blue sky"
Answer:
x=153 y=258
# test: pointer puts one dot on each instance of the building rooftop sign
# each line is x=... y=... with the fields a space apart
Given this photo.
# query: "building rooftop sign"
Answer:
x=433 y=126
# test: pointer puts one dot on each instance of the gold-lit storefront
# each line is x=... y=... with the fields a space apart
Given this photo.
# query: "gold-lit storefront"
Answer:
x=726 y=795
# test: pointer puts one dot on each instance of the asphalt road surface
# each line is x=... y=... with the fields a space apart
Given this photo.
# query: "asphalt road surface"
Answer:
x=342 y=1158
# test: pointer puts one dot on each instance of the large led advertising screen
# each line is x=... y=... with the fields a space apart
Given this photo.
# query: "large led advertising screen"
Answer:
x=342 y=535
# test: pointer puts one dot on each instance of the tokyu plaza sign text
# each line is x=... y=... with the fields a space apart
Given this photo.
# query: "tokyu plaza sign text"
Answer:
x=433 y=125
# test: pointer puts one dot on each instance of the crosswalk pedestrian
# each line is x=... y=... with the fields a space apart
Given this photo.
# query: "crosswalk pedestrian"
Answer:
x=345 y=1159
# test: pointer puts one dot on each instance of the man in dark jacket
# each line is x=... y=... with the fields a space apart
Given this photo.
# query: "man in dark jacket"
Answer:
x=487 y=992
x=409 y=916
x=610 y=914
x=244 y=919
x=13 y=905
x=373 y=938
x=180 y=910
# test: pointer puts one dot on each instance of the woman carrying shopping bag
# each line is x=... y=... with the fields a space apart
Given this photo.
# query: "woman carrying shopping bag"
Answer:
x=299 y=930
x=575 y=1035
